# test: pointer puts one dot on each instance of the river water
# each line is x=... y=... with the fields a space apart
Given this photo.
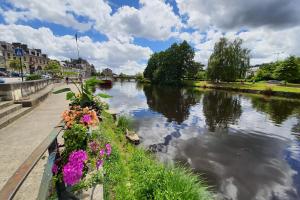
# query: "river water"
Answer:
x=242 y=145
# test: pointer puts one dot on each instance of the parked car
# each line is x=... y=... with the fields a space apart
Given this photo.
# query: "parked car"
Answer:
x=14 y=74
x=3 y=74
x=2 y=80
x=46 y=76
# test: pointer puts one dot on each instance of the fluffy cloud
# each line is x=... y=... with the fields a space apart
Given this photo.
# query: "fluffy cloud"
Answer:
x=234 y=14
x=110 y=53
x=126 y=23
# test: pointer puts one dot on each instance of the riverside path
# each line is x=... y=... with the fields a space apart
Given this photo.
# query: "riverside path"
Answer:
x=19 y=139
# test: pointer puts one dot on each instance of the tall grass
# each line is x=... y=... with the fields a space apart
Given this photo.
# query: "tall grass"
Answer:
x=133 y=174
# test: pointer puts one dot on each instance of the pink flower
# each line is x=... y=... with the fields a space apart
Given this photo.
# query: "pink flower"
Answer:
x=72 y=173
x=79 y=156
x=99 y=163
x=86 y=118
x=102 y=152
x=54 y=169
x=94 y=146
x=108 y=149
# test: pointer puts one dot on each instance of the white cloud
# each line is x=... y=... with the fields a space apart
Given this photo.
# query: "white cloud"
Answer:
x=126 y=23
x=110 y=53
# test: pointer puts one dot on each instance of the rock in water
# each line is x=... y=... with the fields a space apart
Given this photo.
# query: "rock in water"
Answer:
x=132 y=136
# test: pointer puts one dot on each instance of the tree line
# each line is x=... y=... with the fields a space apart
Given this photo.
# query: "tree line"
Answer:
x=228 y=62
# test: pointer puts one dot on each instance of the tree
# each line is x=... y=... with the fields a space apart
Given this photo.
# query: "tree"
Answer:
x=15 y=64
x=229 y=61
x=172 y=65
x=195 y=70
x=53 y=67
x=287 y=70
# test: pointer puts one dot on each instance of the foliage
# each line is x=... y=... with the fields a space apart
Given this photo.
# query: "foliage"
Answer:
x=201 y=75
x=15 y=64
x=131 y=173
x=75 y=138
x=85 y=97
x=53 y=67
x=229 y=61
x=124 y=123
x=32 y=77
x=70 y=74
x=172 y=65
x=265 y=72
x=288 y=70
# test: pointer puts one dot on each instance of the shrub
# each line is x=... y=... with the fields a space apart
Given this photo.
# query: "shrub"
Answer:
x=268 y=91
x=124 y=123
x=32 y=77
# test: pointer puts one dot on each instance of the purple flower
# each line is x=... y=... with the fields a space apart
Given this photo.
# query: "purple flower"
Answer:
x=108 y=149
x=94 y=146
x=86 y=118
x=99 y=163
x=79 y=156
x=72 y=173
x=54 y=169
x=102 y=152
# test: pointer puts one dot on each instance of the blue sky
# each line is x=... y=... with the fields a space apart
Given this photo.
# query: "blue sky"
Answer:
x=123 y=34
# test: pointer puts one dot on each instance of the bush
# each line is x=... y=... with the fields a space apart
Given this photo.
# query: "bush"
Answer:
x=268 y=91
x=32 y=77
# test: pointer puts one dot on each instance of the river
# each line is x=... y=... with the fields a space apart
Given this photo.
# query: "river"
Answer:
x=242 y=145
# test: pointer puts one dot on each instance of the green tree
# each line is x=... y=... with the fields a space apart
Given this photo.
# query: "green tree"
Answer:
x=172 y=65
x=287 y=70
x=195 y=70
x=53 y=67
x=15 y=64
x=229 y=61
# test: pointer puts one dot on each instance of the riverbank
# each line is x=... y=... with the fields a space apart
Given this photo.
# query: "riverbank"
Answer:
x=288 y=91
x=133 y=173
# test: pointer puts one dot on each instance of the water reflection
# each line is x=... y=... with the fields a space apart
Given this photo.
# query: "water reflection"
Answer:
x=278 y=110
x=242 y=143
x=173 y=103
x=220 y=109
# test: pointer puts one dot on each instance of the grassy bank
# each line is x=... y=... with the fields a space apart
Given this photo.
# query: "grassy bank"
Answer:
x=132 y=173
x=289 y=90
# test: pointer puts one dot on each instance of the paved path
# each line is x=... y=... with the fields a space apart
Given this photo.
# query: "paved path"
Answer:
x=20 y=138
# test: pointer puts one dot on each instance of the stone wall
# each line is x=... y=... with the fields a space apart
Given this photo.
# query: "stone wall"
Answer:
x=16 y=91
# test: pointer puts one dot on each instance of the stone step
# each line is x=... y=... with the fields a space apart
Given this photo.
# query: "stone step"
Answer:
x=8 y=119
x=4 y=104
x=9 y=109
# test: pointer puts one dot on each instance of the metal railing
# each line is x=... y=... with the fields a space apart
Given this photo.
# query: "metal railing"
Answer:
x=14 y=183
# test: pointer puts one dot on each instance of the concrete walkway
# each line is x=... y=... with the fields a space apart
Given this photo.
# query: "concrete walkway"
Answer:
x=19 y=139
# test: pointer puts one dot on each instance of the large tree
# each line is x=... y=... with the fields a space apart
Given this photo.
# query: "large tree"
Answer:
x=171 y=65
x=287 y=70
x=229 y=61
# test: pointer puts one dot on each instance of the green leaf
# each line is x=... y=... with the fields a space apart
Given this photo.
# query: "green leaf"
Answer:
x=102 y=95
x=61 y=90
x=70 y=95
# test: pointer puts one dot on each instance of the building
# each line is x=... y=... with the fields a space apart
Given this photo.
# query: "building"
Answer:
x=32 y=60
x=80 y=66
x=107 y=72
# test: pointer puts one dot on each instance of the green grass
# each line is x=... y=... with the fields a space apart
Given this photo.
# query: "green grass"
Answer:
x=132 y=173
x=259 y=86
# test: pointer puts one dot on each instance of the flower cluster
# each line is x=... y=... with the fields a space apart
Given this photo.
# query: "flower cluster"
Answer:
x=72 y=171
x=102 y=154
x=76 y=115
